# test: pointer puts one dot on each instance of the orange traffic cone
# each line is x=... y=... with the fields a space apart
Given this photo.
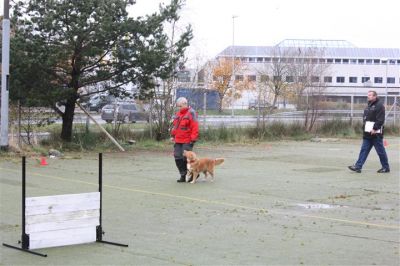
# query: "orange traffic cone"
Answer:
x=43 y=161
x=385 y=143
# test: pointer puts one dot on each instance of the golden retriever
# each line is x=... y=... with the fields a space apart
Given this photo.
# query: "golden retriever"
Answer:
x=201 y=165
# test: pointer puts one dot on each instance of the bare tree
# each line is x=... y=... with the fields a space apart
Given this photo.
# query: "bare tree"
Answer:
x=308 y=89
x=163 y=91
x=274 y=81
x=296 y=74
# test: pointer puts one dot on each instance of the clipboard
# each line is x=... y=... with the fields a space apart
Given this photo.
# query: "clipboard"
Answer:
x=369 y=125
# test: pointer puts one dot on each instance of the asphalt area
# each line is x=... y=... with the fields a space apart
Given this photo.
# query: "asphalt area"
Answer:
x=275 y=203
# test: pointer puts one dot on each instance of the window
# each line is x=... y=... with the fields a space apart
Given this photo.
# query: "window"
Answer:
x=314 y=79
x=398 y=62
x=322 y=61
x=251 y=78
x=377 y=61
x=390 y=80
x=339 y=79
x=328 y=79
x=252 y=59
x=264 y=78
x=283 y=60
x=338 y=61
x=329 y=60
x=353 y=61
x=239 y=77
x=277 y=78
x=378 y=79
x=314 y=61
x=345 y=61
x=368 y=61
x=365 y=79
x=289 y=79
x=290 y=60
x=275 y=59
x=267 y=59
x=392 y=62
x=129 y=107
x=303 y=79
x=353 y=79
x=361 y=61
x=259 y=59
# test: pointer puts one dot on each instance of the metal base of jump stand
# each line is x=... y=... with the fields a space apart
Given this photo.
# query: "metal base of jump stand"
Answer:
x=25 y=250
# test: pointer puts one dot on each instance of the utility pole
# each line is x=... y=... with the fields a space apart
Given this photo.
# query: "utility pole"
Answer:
x=5 y=75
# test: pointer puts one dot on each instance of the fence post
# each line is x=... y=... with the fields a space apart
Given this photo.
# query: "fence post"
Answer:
x=352 y=109
x=204 y=109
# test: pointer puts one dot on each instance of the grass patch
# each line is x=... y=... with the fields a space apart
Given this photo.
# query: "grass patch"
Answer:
x=137 y=136
x=338 y=128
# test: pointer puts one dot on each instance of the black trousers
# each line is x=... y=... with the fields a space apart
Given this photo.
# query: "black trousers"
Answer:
x=180 y=160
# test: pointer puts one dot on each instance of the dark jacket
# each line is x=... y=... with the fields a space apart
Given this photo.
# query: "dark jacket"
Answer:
x=185 y=126
x=374 y=112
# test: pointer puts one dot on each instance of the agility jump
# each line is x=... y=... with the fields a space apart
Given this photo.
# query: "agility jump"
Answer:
x=61 y=220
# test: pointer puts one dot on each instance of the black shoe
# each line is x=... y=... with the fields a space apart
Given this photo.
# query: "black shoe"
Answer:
x=383 y=170
x=355 y=169
x=182 y=179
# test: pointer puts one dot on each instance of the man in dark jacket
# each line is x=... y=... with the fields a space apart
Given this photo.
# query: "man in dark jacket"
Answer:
x=374 y=118
x=185 y=132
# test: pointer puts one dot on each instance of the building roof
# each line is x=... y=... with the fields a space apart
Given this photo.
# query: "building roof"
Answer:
x=315 y=43
x=326 y=48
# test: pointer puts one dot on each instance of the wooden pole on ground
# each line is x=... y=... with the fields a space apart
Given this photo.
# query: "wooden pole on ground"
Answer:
x=101 y=128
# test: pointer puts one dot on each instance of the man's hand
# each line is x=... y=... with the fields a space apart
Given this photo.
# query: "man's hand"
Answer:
x=373 y=132
x=172 y=139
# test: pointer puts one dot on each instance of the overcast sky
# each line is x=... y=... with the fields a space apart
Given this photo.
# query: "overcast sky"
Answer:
x=365 y=23
x=368 y=23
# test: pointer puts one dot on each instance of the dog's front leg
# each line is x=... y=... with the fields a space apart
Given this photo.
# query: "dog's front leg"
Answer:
x=189 y=173
x=195 y=175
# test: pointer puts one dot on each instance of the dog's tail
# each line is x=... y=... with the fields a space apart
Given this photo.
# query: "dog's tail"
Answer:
x=219 y=161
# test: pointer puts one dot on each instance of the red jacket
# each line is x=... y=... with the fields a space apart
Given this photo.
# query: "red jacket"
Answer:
x=185 y=126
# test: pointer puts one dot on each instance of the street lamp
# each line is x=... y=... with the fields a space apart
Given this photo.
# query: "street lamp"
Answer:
x=5 y=77
x=233 y=64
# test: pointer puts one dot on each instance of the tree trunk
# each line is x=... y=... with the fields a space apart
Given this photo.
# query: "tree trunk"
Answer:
x=68 y=119
x=306 y=117
x=270 y=109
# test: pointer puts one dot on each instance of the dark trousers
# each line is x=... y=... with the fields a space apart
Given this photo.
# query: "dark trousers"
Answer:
x=180 y=160
x=366 y=147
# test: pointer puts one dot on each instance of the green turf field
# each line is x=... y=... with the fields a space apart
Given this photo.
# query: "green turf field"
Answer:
x=274 y=203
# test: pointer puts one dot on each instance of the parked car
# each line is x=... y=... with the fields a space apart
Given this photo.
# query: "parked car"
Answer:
x=124 y=112
x=98 y=101
x=263 y=105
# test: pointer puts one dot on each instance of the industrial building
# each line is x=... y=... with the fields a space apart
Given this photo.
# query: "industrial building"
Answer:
x=350 y=71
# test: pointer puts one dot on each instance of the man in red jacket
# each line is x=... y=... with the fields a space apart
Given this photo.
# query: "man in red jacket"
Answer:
x=185 y=132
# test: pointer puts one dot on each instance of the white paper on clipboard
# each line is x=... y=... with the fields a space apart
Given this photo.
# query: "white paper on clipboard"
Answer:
x=369 y=126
